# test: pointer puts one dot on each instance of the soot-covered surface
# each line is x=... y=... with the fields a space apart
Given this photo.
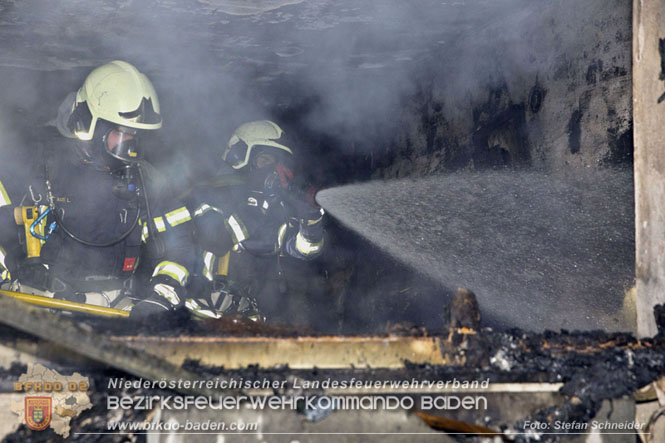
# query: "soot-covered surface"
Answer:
x=593 y=366
x=540 y=251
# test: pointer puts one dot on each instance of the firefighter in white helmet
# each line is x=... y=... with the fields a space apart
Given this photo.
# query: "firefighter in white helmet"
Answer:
x=97 y=208
x=249 y=221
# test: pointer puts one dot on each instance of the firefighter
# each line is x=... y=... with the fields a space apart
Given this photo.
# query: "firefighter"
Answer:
x=250 y=221
x=89 y=211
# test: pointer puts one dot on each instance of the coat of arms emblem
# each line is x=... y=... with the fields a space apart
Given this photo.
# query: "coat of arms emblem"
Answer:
x=37 y=412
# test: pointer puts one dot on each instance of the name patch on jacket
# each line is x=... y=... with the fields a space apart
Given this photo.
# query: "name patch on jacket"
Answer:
x=129 y=264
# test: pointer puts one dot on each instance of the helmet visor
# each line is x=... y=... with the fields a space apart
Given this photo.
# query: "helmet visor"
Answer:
x=80 y=120
x=122 y=143
x=236 y=153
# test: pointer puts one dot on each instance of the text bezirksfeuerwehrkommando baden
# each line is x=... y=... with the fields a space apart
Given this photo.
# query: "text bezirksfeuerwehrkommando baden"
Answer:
x=297 y=402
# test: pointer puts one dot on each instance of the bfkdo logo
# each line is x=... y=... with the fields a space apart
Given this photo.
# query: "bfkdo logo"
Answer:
x=38 y=412
x=49 y=400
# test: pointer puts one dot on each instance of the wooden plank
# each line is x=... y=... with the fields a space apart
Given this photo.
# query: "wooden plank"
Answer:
x=649 y=161
x=330 y=352
x=82 y=340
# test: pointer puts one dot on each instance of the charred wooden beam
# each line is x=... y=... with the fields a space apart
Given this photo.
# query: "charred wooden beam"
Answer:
x=329 y=352
x=81 y=339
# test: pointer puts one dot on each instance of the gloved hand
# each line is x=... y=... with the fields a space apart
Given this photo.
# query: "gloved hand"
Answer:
x=163 y=294
x=303 y=203
x=31 y=274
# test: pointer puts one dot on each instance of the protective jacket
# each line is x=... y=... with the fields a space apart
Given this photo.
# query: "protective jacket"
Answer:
x=242 y=233
x=107 y=215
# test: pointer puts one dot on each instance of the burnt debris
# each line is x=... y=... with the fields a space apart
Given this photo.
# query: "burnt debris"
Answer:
x=593 y=367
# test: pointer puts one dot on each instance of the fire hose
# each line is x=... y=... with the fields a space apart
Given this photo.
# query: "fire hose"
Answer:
x=66 y=305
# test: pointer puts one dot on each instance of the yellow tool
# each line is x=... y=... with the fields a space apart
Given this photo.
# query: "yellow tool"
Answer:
x=66 y=305
x=26 y=216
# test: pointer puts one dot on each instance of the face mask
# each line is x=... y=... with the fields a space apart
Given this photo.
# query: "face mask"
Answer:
x=122 y=144
x=112 y=147
x=270 y=179
x=265 y=180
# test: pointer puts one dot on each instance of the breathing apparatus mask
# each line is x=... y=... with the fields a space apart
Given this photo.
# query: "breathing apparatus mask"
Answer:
x=112 y=147
x=261 y=150
x=121 y=147
x=269 y=172
x=122 y=144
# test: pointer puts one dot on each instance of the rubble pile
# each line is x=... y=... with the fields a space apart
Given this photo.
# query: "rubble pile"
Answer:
x=593 y=366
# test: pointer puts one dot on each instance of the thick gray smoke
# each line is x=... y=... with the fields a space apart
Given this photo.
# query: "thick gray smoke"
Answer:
x=540 y=252
x=342 y=68
x=406 y=78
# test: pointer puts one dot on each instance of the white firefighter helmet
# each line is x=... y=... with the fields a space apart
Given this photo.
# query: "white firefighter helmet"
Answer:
x=118 y=93
x=251 y=137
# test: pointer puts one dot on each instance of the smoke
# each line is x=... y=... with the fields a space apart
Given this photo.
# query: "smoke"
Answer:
x=347 y=79
x=340 y=73
x=334 y=70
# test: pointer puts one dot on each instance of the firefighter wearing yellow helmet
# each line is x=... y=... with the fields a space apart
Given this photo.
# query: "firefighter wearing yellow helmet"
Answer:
x=249 y=138
x=95 y=207
x=114 y=103
x=250 y=222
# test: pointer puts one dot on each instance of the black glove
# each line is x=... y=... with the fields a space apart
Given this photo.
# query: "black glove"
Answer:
x=163 y=294
x=302 y=203
x=31 y=274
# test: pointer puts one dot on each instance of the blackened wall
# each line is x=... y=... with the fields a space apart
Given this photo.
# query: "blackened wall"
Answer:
x=547 y=87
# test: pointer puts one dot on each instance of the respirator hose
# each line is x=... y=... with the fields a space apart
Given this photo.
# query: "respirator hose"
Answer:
x=63 y=226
